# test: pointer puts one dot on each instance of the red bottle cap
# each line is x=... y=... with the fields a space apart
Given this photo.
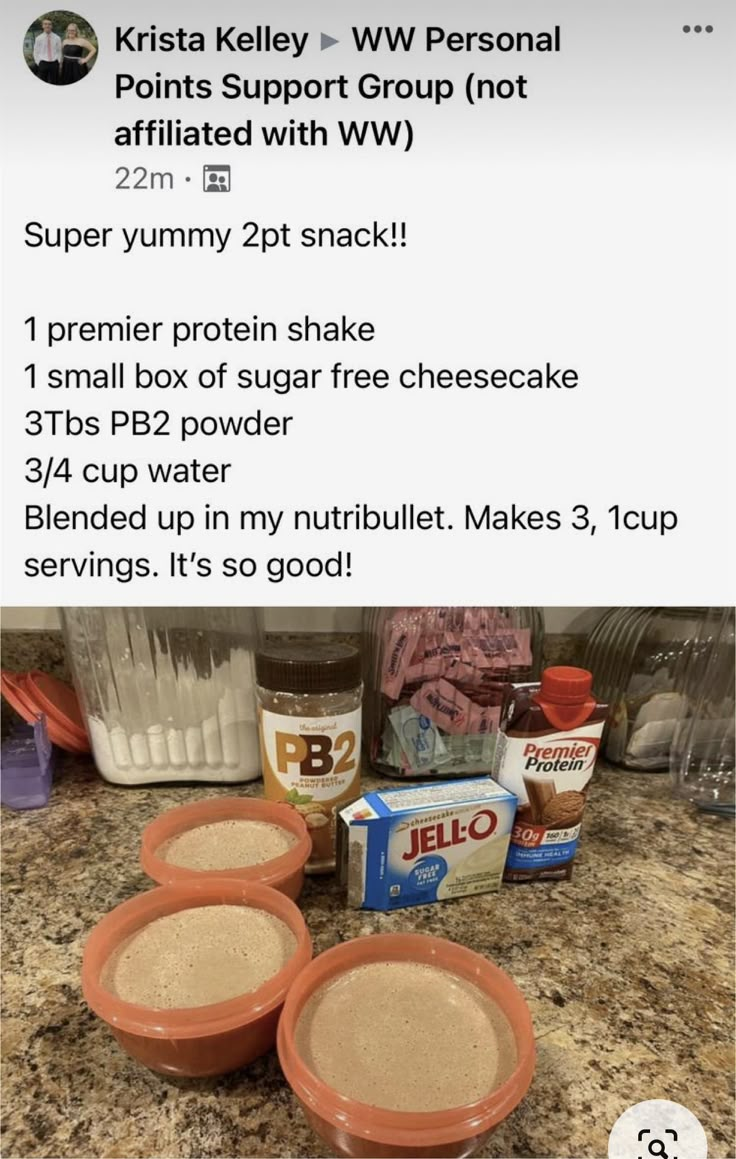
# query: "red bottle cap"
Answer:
x=565 y=685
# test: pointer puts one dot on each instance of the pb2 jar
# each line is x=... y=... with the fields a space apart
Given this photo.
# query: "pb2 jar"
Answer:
x=309 y=701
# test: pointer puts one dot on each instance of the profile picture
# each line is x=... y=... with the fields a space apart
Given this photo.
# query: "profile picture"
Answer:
x=60 y=47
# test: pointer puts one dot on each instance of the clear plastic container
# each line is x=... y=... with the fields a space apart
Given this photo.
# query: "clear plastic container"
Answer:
x=167 y=693
x=643 y=660
x=27 y=766
x=702 y=754
x=435 y=680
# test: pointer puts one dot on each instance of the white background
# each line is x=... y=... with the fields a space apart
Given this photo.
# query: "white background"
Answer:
x=586 y=225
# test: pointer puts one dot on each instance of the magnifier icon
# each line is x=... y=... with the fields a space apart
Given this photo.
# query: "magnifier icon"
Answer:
x=660 y=1148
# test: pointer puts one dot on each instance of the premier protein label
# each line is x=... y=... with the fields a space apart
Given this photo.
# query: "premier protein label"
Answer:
x=564 y=756
x=402 y=847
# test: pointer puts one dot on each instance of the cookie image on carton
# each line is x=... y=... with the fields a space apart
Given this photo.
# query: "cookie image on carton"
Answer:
x=564 y=810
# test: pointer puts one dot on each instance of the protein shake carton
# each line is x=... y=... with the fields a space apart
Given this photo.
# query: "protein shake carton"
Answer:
x=410 y=846
x=545 y=754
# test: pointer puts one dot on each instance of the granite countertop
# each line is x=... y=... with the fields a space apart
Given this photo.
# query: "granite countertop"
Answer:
x=628 y=971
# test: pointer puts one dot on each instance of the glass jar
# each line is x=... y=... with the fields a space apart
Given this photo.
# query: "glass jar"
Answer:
x=168 y=693
x=309 y=714
x=435 y=682
x=702 y=754
x=640 y=658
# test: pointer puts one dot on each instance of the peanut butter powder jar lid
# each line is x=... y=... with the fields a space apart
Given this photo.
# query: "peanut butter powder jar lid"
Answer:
x=304 y=667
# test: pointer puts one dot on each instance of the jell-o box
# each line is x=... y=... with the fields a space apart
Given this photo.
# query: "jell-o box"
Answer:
x=427 y=843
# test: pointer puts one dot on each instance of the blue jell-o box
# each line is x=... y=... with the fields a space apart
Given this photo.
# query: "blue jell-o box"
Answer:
x=411 y=846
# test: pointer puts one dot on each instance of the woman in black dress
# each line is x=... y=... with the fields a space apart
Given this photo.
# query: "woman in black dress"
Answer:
x=76 y=52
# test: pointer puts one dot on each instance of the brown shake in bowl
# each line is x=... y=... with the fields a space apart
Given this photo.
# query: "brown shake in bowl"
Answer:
x=199 y=956
x=406 y=1036
x=228 y=844
x=238 y=837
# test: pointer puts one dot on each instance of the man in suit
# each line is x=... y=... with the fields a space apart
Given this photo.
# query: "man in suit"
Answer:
x=47 y=53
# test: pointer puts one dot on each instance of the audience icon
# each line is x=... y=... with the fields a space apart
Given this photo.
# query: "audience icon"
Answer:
x=216 y=178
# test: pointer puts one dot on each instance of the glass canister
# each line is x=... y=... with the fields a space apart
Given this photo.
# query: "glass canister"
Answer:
x=309 y=715
x=168 y=693
x=642 y=657
x=435 y=682
x=702 y=754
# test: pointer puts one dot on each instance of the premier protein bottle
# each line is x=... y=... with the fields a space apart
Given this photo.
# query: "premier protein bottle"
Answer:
x=545 y=754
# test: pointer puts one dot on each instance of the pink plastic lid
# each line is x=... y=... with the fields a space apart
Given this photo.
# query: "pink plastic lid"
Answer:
x=58 y=700
x=13 y=689
x=30 y=693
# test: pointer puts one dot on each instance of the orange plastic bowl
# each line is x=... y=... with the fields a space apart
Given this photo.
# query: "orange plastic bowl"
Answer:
x=352 y=1128
x=285 y=873
x=202 y=1040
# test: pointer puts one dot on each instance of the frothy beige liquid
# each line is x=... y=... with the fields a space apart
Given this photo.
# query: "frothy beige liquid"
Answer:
x=406 y=1037
x=199 y=956
x=227 y=845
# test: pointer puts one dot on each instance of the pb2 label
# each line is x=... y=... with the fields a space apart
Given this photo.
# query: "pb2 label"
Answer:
x=313 y=757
